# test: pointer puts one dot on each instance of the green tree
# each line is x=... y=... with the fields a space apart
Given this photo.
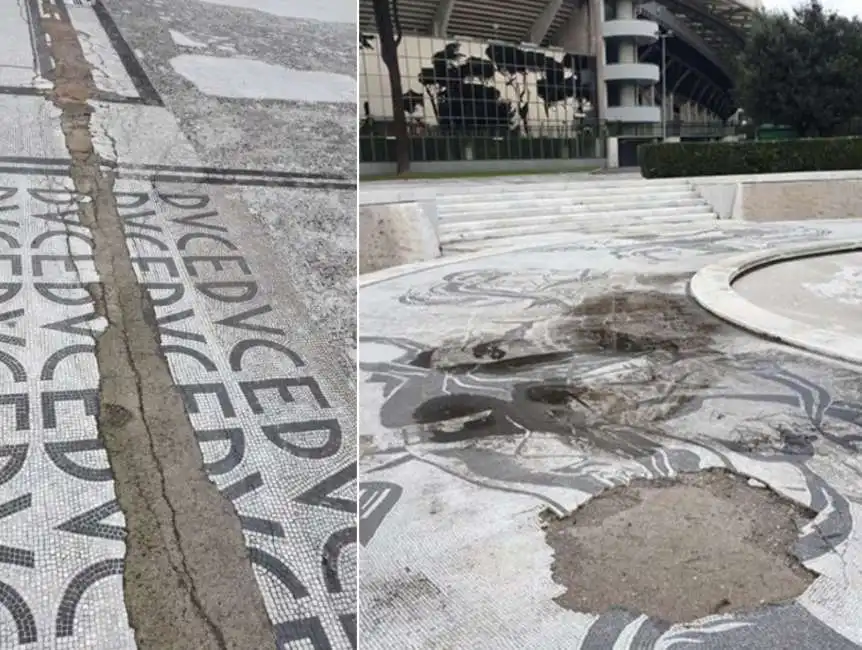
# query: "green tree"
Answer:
x=802 y=70
x=389 y=32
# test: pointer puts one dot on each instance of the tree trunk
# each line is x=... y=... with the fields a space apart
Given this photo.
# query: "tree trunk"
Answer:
x=389 y=41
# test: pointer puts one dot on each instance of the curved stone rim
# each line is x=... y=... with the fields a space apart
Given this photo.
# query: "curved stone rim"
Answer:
x=712 y=289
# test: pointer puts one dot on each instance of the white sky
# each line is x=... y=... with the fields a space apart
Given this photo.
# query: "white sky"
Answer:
x=846 y=7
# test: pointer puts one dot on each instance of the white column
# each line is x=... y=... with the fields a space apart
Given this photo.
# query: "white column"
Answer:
x=625 y=9
x=597 y=18
x=628 y=54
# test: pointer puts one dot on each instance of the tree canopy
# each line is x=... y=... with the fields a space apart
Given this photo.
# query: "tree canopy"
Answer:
x=803 y=69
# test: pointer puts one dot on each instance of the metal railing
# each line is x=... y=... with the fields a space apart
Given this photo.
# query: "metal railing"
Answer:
x=377 y=144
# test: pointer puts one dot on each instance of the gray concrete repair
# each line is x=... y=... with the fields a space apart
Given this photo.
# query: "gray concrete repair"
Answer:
x=184 y=586
x=679 y=550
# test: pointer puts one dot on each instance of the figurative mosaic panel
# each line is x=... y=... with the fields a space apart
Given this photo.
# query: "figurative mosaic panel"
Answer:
x=663 y=389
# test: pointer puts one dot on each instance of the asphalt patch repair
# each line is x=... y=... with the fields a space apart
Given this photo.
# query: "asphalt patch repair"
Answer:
x=680 y=549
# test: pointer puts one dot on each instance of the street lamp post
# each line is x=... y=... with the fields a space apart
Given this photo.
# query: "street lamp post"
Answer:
x=664 y=35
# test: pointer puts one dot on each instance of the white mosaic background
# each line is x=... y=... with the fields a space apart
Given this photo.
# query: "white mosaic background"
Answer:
x=55 y=497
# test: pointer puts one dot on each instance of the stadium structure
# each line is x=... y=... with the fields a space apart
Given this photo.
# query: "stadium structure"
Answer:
x=649 y=62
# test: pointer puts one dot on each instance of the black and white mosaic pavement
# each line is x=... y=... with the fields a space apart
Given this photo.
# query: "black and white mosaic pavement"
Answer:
x=464 y=442
x=61 y=542
x=276 y=435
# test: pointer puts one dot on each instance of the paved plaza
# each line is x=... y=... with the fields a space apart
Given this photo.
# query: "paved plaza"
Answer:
x=501 y=391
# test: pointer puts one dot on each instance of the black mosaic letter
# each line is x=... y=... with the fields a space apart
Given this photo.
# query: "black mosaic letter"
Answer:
x=275 y=433
x=239 y=321
x=236 y=439
x=190 y=391
x=25 y=622
x=65 y=623
x=15 y=456
x=21 y=403
x=336 y=543
x=175 y=290
x=282 y=386
x=306 y=629
x=90 y=398
x=200 y=357
x=320 y=494
x=59 y=453
x=239 y=350
x=215 y=290
x=179 y=334
x=217 y=262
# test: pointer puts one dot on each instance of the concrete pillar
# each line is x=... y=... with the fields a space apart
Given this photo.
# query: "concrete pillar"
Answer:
x=596 y=9
x=628 y=53
x=540 y=27
x=613 y=160
x=575 y=36
x=440 y=22
x=625 y=10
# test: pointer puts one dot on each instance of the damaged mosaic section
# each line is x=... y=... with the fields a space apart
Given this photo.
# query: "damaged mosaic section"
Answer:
x=681 y=549
x=608 y=393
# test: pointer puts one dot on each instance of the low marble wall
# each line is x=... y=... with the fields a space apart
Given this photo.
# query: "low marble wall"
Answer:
x=392 y=234
x=784 y=197
x=723 y=197
x=821 y=199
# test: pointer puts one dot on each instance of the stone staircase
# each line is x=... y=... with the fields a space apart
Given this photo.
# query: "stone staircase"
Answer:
x=478 y=217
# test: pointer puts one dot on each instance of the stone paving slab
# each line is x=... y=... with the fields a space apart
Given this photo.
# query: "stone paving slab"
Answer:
x=458 y=466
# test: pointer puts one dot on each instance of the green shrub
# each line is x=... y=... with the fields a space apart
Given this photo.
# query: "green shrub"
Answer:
x=676 y=159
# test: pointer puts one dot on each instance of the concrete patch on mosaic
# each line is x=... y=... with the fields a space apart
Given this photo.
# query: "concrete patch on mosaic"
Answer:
x=250 y=79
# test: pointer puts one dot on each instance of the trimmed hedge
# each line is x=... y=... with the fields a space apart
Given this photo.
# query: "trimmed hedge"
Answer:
x=676 y=159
